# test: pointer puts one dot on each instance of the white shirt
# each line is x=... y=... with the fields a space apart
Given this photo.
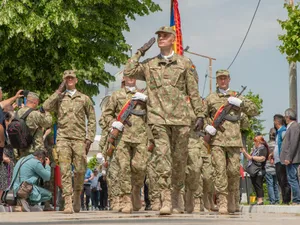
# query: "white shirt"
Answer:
x=167 y=56
x=71 y=92
x=224 y=92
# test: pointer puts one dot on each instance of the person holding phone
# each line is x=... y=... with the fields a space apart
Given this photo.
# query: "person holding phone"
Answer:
x=32 y=168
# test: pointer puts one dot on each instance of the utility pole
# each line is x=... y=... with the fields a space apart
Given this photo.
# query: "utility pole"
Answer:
x=292 y=78
x=209 y=67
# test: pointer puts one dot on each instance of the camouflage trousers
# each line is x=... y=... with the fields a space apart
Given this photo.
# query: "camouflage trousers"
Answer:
x=71 y=152
x=169 y=157
x=132 y=160
x=226 y=162
x=113 y=182
x=193 y=169
x=151 y=178
x=206 y=179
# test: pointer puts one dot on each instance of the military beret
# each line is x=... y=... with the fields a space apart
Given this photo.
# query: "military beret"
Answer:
x=166 y=29
x=69 y=73
x=222 y=73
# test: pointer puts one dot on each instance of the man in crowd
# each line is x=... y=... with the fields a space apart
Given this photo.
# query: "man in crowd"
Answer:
x=290 y=154
x=131 y=144
x=226 y=145
x=74 y=137
x=95 y=189
x=170 y=78
x=271 y=178
x=37 y=121
x=279 y=124
x=27 y=172
x=88 y=177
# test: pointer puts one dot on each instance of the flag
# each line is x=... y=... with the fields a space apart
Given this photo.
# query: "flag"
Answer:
x=175 y=23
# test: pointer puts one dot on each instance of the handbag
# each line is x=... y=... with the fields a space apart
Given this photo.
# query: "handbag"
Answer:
x=24 y=190
x=8 y=196
x=253 y=169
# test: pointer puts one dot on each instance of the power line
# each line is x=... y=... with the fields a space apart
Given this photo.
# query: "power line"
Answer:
x=245 y=35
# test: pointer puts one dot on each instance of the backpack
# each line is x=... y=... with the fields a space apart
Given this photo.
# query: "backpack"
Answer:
x=19 y=133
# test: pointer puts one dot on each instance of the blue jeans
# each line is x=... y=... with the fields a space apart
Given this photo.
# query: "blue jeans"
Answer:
x=292 y=175
x=272 y=185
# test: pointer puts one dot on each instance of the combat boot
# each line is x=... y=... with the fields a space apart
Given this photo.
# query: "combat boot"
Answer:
x=189 y=201
x=197 y=205
x=136 y=198
x=68 y=205
x=77 y=201
x=127 y=204
x=222 y=203
x=177 y=202
x=206 y=201
x=166 y=203
x=231 y=202
x=156 y=204
x=201 y=205
x=213 y=206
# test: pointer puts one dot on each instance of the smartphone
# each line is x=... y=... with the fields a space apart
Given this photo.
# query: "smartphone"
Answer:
x=19 y=102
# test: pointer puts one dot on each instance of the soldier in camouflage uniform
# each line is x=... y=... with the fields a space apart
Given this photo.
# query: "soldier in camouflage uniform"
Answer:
x=225 y=146
x=131 y=147
x=73 y=137
x=170 y=78
x=37 y=121
x=113 y=171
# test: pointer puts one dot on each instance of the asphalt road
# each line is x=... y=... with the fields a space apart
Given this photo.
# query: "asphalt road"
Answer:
x=146 y=218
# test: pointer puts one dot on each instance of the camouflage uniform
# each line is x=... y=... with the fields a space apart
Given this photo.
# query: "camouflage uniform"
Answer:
x=225 y=147
x=72 y=112
x=193 y=168
x=169 y=82
x=113 y=167
x=131 y=148
x=36 y=122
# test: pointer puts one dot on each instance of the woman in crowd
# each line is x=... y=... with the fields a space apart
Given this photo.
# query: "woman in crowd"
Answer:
x=256 y=165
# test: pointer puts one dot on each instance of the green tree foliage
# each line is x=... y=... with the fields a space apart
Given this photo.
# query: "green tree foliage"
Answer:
x=256 y=125
x=40 y=39
x=291 y=39
x=93 y=163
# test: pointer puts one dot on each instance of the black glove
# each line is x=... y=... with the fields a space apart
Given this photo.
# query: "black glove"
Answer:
x=146 y=46
x=199 y=124
x=42 y=110
x=62 y=87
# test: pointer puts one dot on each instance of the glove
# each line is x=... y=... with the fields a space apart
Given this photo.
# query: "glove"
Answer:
x=146 y=46
x=118 y=125
x=42 y=109
x=140 y=96
x=87 y=146
x=199 y=124
x=211 y=130
x=100 y=158
x=62 y=87
x=235 y=101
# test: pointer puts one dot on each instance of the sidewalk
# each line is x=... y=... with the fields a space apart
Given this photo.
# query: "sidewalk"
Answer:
x=245 y=209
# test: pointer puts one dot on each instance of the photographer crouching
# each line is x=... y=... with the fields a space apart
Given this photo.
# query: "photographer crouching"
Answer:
x=27 y=173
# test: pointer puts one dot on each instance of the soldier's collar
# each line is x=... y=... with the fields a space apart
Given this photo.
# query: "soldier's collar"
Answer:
x=130 y=89
x=162 y=60
x=228 y=92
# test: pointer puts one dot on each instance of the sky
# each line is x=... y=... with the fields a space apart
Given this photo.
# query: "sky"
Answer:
x=216 y=28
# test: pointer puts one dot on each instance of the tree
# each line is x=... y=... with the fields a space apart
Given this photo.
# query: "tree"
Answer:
x=256 y=125
x=93 y=163
x=291 y=39
x=41 y=39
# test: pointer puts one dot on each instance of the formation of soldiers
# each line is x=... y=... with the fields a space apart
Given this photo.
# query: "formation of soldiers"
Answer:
x=183 y=172
x=153 y=133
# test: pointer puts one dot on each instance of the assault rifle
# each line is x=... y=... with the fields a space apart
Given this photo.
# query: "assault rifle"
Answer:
x=123 y=117
x=222 y=115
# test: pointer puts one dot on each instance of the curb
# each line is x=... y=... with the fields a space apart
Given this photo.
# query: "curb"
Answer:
x=270 y=209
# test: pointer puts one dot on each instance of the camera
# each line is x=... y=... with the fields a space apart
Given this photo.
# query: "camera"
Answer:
x=24 y=93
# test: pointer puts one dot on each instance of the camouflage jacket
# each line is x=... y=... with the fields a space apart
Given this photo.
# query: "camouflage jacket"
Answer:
x=169 y=82
x=231 y=137
x=137 y=132
x=72 y=112
x=36 y=122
